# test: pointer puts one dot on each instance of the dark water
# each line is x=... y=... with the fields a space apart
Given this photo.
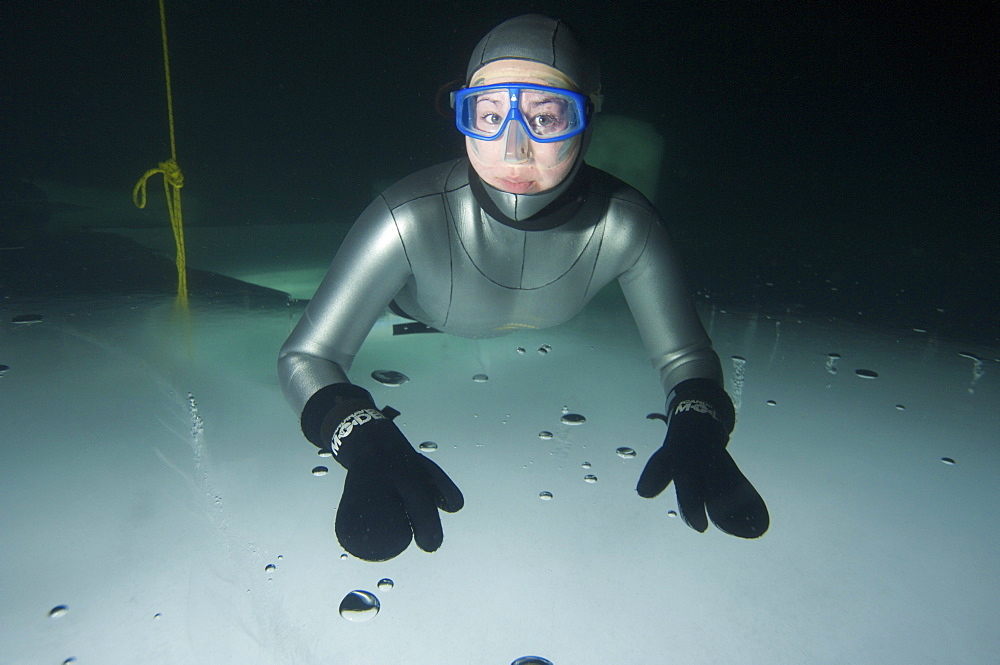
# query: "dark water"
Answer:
x=818 y=159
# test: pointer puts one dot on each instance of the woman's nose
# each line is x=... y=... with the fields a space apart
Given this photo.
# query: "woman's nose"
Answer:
x=518 y=144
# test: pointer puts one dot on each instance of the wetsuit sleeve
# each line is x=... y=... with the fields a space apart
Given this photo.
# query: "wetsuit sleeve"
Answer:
x=660 y=301
x=368 y=270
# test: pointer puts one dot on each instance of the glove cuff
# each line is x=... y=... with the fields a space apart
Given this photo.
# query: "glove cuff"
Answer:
x=703 y=396
x=339 y=398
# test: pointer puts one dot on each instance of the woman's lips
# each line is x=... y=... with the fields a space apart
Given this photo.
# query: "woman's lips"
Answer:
x=516 y=186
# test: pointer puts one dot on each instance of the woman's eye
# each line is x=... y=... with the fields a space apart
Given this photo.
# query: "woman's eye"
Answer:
x=491 y=118
x=543 y=122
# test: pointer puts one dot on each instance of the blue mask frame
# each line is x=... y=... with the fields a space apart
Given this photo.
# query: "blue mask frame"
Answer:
x=463 y=120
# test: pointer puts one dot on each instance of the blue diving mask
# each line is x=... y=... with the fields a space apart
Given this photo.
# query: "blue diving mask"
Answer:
x=546 y=114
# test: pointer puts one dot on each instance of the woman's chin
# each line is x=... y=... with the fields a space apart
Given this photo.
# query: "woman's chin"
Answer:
x=516 y=186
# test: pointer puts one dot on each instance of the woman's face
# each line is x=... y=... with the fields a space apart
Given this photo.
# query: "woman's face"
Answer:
x=514 y=163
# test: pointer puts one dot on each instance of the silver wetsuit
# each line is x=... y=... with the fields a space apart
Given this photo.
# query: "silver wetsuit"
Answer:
x=431 y=244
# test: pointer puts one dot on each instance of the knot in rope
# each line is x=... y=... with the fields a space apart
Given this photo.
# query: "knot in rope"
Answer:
x=172 y=177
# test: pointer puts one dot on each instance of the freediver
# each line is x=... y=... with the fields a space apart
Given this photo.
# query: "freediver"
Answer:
x=518 y=234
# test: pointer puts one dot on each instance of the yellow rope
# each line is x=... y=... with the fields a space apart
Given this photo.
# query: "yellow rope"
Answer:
x=173 y=179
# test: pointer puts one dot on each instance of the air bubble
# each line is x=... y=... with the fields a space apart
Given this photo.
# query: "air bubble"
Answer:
x=480 y=378
x=590 y=478
x=69 y=661
x=545 y=496
x=625 y=452
x=324 y=453
x=585 y=465
x=532 y=660
x=4 y=368
x=270 y=568
x=544 y=435
x=320 y=471
x=739 y=374
x=831 y=362
x=573 y=419
x=428 y=446
x=390 y=377
x=521 y=350
x=58 y=611
x=26 y=319
x=978 y=369
x=197 y=424
x=671 y=513
x=866 y=373
x=771 y=402
x=544 y=348
x=359 y=606
x=900 y=407
x=385 y=584
x=343 y=557
x=949 y=461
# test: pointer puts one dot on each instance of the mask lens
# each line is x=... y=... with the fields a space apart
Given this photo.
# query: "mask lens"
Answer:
x=548 y=114
x=482 y=113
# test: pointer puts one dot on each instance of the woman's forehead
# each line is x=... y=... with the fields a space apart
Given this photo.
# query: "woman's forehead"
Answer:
x=520 y=71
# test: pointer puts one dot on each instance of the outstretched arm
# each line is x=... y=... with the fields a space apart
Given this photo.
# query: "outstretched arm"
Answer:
x=368 y=271
x=700 y=415
x=658 y=296
x=391 y=493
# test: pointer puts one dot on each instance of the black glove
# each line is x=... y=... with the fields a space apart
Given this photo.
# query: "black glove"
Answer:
x=694 y=456
x=392 y=493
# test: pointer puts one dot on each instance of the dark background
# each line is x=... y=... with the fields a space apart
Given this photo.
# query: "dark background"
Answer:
x=846 y=156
